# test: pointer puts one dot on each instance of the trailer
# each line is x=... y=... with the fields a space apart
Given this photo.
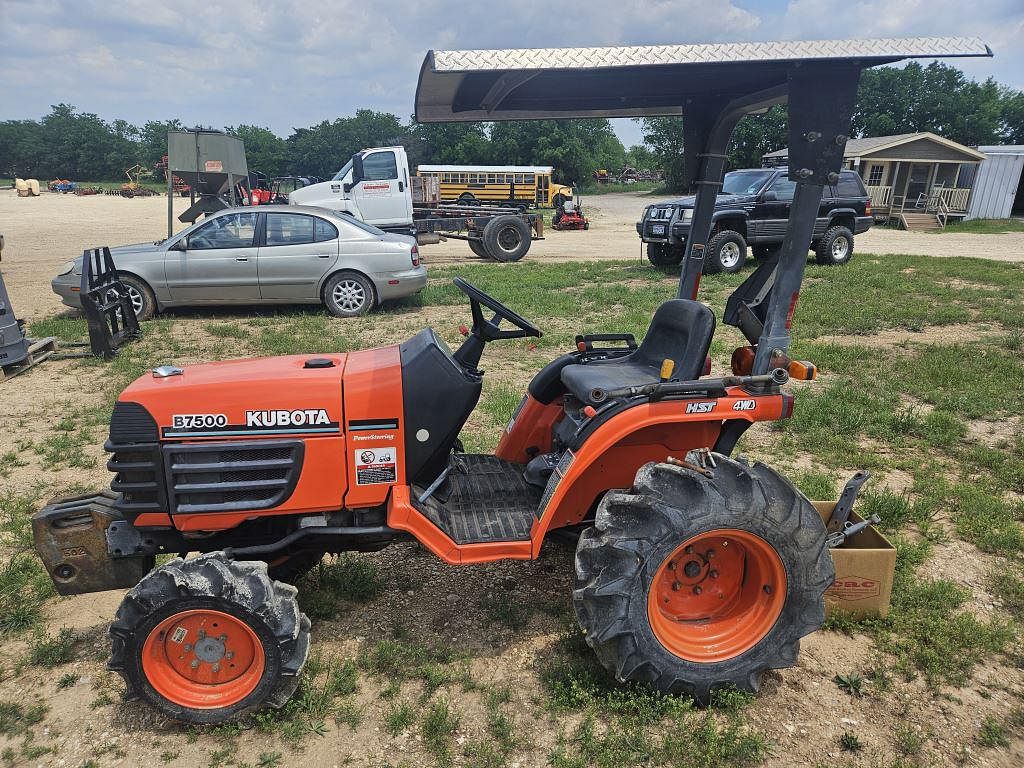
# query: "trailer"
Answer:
x=375 y=187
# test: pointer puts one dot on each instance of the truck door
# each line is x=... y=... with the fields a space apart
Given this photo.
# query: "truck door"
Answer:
x=773 y=210
x=218 y=263
x=383 y=195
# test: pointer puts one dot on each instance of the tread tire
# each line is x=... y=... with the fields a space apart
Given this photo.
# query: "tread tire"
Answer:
x=498 y=226
x=665 y=255
x=242 y=588
x=477 y=247
x=823 y=248
x=148 y=311
x=635 y=530
x=369 y=292
x=713 y=252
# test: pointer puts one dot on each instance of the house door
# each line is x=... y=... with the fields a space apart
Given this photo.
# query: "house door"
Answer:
x=917 y=183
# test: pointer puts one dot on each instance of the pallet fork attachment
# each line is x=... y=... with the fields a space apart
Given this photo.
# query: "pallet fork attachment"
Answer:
x=107 y=306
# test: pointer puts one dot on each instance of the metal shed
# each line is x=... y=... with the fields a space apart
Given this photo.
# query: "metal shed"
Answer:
x=998 y=183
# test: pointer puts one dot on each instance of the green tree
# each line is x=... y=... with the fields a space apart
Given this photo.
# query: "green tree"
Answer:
x=22 y=148
x=664 y=137
x=756 y=135
x=322 y=149
x=642 y=158
x=265 y=151
x=153 y=139
x=575 y=148
x=448 y=143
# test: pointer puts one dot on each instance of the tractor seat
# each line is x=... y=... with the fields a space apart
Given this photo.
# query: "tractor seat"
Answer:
x=681 y=330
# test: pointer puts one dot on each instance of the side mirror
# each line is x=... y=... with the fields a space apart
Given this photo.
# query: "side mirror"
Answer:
x=347 y=187
x=771 y=196
x=179 y=245
x=357 y=169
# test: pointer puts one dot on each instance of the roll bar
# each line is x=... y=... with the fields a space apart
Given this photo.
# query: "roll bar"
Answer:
x=711 y=87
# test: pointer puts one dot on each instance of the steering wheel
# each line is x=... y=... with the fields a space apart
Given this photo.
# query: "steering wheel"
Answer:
x=488 y=329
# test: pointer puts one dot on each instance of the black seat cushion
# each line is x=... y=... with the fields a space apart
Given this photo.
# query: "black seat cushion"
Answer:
x=681 y=330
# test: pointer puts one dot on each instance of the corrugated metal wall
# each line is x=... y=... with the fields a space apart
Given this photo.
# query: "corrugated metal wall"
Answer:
x=996 y=183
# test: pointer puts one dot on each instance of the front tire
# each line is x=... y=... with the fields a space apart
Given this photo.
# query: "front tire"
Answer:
x=725 y=252
x=349 y=294
x=665 y=255
x=507 y=238
x=209 y=640
x=141 y=297
x=835 y=246
x=665 y=601
x=477 y=247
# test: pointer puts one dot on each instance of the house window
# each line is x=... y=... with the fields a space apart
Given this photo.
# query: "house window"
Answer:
x=875 y=175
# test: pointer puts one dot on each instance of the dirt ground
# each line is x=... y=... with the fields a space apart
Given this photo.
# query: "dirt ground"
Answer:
x=44 y=232
x=801 y=710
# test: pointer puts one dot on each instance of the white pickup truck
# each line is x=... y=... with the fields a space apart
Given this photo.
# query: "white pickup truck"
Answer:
x=375 y=186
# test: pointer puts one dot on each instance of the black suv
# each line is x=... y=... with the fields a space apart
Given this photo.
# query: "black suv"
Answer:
x=753 y=209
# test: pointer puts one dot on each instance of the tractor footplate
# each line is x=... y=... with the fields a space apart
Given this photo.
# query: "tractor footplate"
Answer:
x=483 y=499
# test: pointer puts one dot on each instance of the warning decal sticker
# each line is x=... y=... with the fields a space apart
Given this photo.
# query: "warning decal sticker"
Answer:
x=375 y=466
x=854 y=588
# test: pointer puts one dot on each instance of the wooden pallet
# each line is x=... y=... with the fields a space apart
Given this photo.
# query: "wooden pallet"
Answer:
x=38 y=350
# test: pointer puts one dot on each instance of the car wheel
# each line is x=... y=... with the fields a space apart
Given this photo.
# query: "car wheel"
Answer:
x=725 y=252
x=349 y=294
x=835 y=247
x=467 y=200
x=141 y=297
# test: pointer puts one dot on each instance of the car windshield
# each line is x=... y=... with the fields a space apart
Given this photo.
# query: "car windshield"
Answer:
x=343 y=172
x=744 y=182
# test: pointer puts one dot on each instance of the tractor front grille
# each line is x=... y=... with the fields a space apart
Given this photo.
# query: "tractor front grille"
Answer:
x=137 y=478
x=231 y=477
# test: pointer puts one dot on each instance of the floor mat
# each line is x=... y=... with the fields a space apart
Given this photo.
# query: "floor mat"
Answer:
x=484 y=499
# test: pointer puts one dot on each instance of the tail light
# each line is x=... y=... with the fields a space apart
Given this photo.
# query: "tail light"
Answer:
x=867 y=208
x=415 y=254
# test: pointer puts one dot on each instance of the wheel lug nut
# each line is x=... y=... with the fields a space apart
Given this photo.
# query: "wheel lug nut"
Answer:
x=671 y=565
x=202 y=634
x=697 y=590
x=713 y=574
x=709 y=554
x=676 y=586
x=223 y=638
x=194 y=664
x=216 y=667
x=188 y=646
x=229 y=655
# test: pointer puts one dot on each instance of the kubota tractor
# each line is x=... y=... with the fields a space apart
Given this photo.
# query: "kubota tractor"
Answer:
x=693 y=569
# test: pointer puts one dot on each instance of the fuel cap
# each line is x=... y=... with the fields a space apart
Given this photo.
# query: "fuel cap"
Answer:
x=318 y=362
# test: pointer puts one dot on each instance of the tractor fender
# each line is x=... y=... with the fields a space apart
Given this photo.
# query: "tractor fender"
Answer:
x=611 y=454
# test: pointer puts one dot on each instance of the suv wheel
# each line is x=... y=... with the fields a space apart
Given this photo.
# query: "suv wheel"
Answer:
x=665 y=255
x=725 y=252
x=835 y=247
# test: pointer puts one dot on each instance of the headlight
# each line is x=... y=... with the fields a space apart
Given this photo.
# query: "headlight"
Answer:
x=67 y=268
x=686 y=214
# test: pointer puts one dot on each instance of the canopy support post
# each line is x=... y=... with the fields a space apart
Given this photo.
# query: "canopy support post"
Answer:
x=818 y=130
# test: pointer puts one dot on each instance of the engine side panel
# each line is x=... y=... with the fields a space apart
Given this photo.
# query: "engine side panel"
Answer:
x=375 y=433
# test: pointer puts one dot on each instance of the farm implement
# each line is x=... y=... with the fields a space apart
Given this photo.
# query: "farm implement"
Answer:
x=693 y=569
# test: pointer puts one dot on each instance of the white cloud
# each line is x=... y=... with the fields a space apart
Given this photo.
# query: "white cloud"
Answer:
x=287 y=63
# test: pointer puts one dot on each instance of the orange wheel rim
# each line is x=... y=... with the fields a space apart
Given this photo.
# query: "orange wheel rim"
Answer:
x=717 y=595
x=203 y=659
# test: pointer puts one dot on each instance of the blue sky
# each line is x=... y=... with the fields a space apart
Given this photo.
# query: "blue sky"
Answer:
x=292 y=63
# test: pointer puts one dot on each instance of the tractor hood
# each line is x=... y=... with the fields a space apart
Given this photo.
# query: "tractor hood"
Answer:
x=293 y=395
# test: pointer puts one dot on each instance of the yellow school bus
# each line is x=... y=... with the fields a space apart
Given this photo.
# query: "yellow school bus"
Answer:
x=520 y=186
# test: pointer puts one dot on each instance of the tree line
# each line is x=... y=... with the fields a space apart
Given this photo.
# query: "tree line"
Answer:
x=82 y=146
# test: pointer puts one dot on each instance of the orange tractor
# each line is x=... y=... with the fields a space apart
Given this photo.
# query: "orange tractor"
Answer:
x=693 y=569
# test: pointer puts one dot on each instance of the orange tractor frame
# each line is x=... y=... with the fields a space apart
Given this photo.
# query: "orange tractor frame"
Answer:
x=693 y=570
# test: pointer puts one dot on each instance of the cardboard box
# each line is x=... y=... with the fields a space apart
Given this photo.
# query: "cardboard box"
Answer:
x=864 y=570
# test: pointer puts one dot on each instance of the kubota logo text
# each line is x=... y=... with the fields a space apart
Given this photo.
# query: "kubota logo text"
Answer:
x=310 y=417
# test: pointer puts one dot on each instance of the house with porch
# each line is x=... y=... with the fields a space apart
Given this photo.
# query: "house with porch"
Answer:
x=919 y=180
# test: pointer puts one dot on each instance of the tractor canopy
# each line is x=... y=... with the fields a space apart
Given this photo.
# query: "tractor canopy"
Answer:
x=711 y=87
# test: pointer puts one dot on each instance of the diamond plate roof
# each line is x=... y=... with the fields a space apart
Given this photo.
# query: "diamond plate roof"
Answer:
x=631 y=81
x=713 y=53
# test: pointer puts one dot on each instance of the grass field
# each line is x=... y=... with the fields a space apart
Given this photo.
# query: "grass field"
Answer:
x=987 y=226
x=922 y=382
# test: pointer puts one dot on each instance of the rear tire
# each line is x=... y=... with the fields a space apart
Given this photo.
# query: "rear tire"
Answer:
x=349 y=294
x=665 y=255
x=835 y=246
x=507 y=238
x=725 y=252
x=179 y=634
x=774 y=577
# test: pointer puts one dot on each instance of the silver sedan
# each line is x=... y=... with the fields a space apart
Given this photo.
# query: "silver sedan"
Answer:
x=276 y=254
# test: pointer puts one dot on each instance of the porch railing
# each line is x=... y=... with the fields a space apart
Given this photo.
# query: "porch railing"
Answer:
x=954 y=199
x=881 y=197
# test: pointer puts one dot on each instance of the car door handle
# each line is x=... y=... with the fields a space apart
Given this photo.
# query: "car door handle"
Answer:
x=401 y=187
x=241 y=258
